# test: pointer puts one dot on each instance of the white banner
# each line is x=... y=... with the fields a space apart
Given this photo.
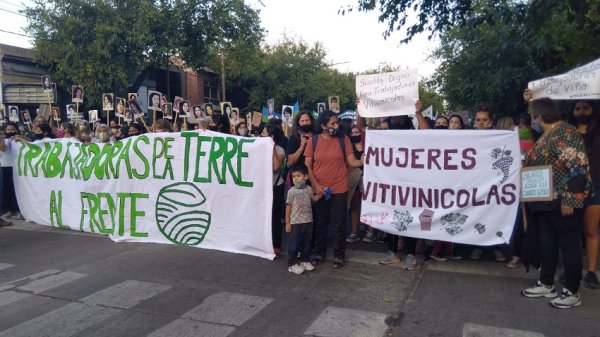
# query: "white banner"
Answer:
x=388 y=94
x=580 y=83
x=449 y=185
x=200 y=189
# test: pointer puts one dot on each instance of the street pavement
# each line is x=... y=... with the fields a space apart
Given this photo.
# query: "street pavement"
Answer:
x=65 y=283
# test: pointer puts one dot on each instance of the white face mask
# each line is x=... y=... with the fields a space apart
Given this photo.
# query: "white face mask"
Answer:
x=243 y=132
x=103 y=136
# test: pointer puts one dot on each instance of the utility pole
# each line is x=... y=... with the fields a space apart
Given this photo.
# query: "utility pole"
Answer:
x=223 y=76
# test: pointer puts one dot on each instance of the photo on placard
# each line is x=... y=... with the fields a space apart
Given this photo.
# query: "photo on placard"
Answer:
x=256 y=118
x=154 y=100
x=107 y=101
x=71 y=112
x=121 y=105
x=77 y=94
x=135 y=109
x=198 y=113
x=132 y=96
x=234 y=116
x=13 y=113
x=334 y=103
x=177 y=103
x=225 y=108
x=286 y=114
x=208 y=109
x=167 y=111
x=2 y=115
x=55 y=113
x=46 y=83
x=128 y=115
x=271 y=107
x=163 y=100
x=321 y=107
x=93 y=115
x=26 y=116
x=184 y=108
x=249 y=120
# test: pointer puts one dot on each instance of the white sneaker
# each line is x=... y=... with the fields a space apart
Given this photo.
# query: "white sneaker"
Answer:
x=566 y=300
x=352 y=238
x=370 y=237
x=18 y=216
x=307 y=266
x=410 y=262
x=296 y=269
x=6 y=215
x=539 y=290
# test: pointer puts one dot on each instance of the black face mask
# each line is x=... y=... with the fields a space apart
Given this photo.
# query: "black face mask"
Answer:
x=306 y=128
x=583 y=119
x=10 y=134
x=213 y=128
x=440 y=127
x=38 y=136
x=355 y=139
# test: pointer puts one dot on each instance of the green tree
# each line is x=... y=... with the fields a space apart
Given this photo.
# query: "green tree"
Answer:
x=111 y=45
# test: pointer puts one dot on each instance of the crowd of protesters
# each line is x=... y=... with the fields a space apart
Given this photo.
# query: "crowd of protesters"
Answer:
x=317 y=185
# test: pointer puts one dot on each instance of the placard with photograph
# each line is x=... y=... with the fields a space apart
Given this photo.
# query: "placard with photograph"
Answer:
x=271 y=107
x=121 y=107
x=197 y=113
x=286 y=114
x=208 y=109
x=2 y=115
x=93 y=115
x=167 y=111
x=107 y=101
x=26 y=116
x=13 y=113
x=135 y=109
x=234 y=116
x=154 y=100
x=321 y=107
x=177 y=103
x=226 y=108
x=56 y=113
x=184 y=109
x=132 y=96
x=77 y=94
x=128 y=115
x=46 y=84
x=71 y=112
x=334 y=103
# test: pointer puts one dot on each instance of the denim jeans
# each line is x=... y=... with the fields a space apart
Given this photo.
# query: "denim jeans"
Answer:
x=299 y=242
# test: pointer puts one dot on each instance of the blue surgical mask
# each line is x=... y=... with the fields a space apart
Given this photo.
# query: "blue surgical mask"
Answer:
x=300 y=184
x=535 y=125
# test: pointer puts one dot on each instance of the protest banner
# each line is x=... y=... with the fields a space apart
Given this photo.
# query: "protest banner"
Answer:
x=580 y=83
x=448 y=185
x=201 y=189
x=388 y=94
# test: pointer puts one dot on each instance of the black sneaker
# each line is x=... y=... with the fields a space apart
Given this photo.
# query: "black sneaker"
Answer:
x=591 y=280
x=4 y=223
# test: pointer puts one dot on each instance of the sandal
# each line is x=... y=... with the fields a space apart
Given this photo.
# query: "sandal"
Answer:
x=514 y=263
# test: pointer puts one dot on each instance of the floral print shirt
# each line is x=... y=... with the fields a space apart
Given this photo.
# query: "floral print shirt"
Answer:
x=564 y=149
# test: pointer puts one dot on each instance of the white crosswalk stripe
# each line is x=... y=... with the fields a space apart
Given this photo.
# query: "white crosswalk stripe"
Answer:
x=27 y=279
x=476 y=330
x=217 y=316
x=52 y=281
x=76 y=317
x=5 y=266
x=126 y=294
x=341 y=322
x=62 y=322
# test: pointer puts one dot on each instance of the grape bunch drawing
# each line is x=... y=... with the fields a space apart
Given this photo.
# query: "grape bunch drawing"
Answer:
x=503 y=162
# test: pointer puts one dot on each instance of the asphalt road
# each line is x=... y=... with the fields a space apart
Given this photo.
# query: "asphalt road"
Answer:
x=56 y=283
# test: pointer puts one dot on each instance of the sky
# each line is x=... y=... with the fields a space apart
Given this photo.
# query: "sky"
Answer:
x=354 y=41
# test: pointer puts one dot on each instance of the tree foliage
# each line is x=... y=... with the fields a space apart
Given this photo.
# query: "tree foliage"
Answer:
x=110 y=45
x=494 y=60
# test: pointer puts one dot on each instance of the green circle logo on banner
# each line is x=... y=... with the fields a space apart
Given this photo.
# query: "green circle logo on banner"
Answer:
x=179 y=214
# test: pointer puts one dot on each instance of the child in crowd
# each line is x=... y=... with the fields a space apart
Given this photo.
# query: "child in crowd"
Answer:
x=299 y=220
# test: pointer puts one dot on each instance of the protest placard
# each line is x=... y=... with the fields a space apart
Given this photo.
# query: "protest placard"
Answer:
x=448 y=185
x=162 y=188
x=580 y=83
x=537 y=183
x=388 y=94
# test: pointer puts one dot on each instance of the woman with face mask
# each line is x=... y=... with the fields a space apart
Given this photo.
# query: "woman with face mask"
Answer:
x=242 y=129
x=10 y=205
x=326 y=156
x=103 y=134
x=559 y=221
x=586 y=118
x=302 y=130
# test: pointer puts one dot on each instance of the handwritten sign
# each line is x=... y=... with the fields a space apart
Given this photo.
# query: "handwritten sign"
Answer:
x=536 y=182
x=388 y=94
x=580 y=83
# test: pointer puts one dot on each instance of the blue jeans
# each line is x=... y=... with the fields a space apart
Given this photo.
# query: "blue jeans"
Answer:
x=299 y=241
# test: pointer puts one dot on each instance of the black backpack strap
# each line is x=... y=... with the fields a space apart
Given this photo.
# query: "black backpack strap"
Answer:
x=341 y=139
x=315 y=139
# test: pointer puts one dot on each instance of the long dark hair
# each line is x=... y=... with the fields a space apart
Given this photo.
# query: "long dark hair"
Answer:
x=296 y=122
x=324 y=118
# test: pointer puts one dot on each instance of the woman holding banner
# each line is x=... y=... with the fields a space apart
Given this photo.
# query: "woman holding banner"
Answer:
x=586 y=118
x=326 y=156
x=558 y=220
